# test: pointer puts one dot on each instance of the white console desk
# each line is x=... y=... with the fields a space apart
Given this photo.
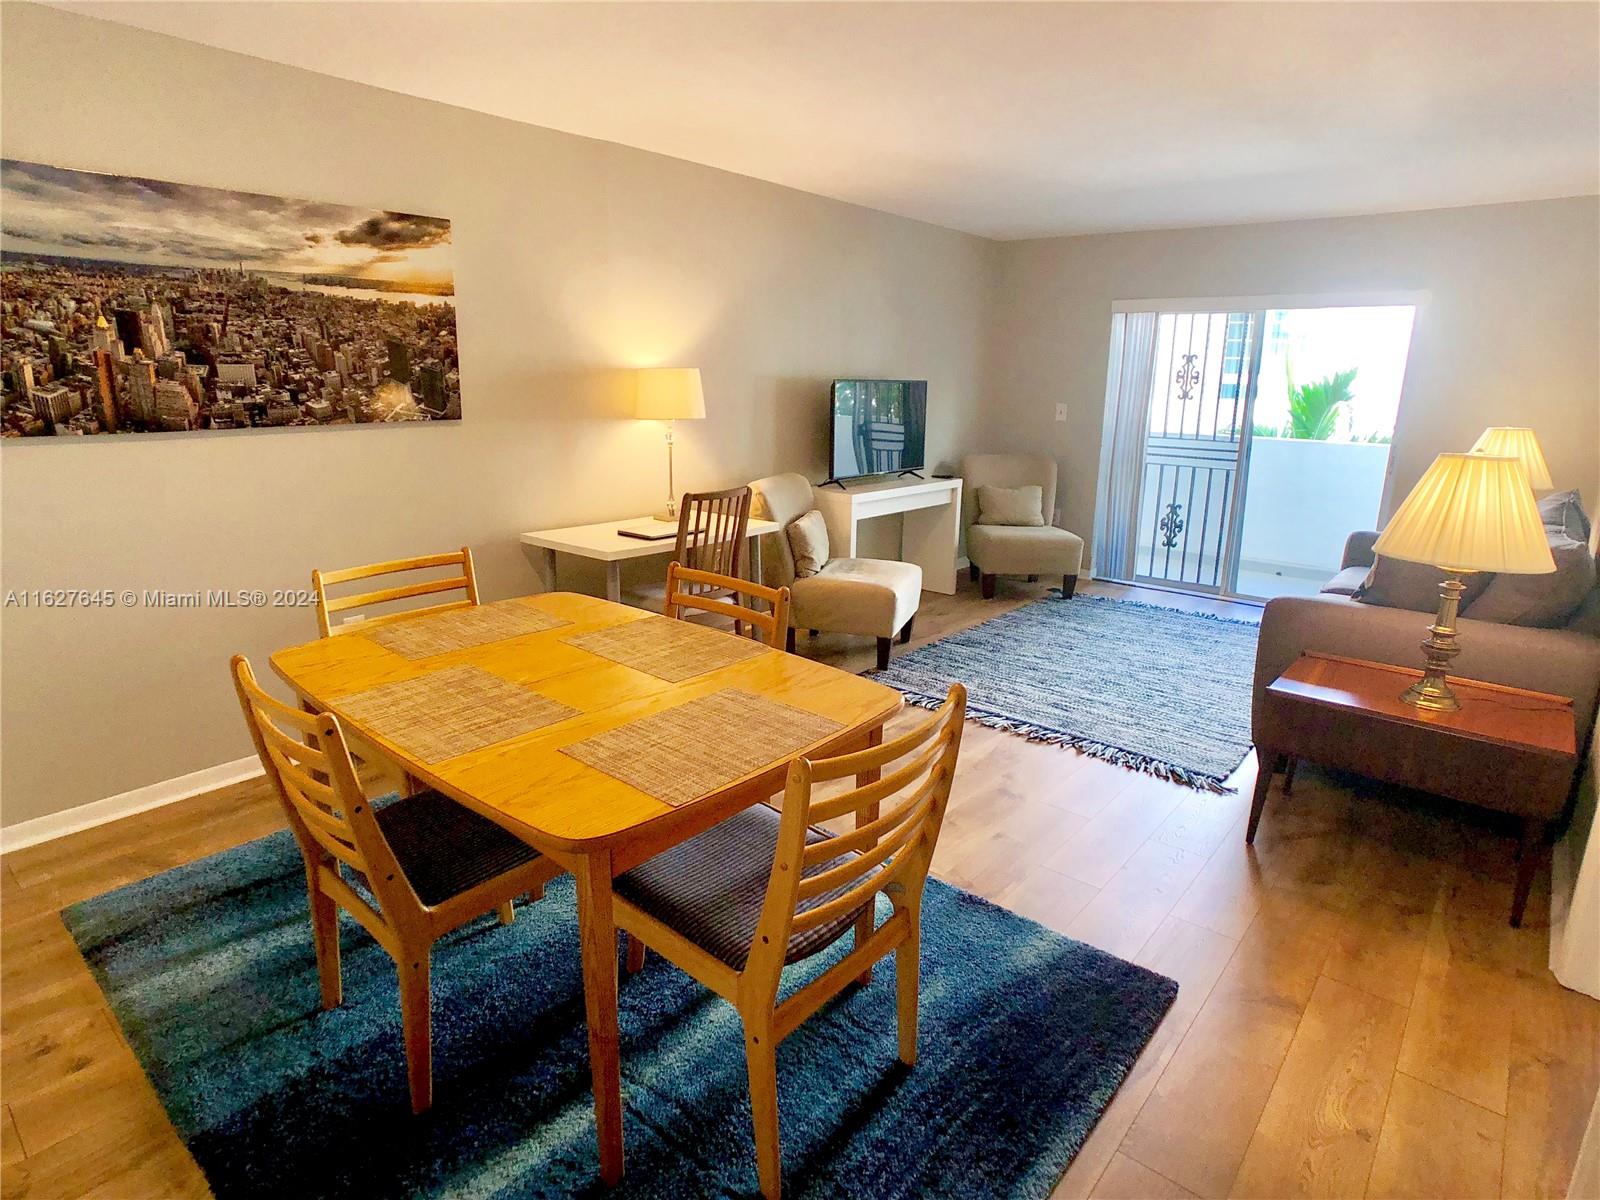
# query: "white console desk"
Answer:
x=931 y=530
x=602 y=543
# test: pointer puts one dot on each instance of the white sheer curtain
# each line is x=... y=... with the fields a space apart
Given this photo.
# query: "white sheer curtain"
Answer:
x=1133 y=353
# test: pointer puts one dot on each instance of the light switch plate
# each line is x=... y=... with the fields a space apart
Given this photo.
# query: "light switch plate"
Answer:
x=1061 y=412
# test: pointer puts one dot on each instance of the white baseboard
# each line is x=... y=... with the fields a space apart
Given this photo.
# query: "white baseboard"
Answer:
x=98 y=812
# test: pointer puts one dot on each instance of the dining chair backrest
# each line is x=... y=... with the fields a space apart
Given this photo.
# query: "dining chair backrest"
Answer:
x=466 y=583
x=898 y=817
x=703 y=591
x=711 y=530
x=307 y=759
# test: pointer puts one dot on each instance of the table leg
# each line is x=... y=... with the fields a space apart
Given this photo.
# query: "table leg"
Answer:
x=755 y=558
x=614 y=582
x=550 y=569
x=1266 y=762
x=597 y=935
x=1528 y=856
x=865 y=816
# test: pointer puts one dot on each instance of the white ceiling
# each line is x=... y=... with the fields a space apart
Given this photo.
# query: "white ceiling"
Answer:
x=1008 y=120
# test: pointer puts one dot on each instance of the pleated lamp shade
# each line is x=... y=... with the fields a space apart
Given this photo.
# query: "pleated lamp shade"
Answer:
x=1471 y=512
x=1520 y=444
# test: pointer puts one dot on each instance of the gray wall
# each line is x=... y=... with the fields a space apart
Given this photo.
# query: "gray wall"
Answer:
x=1509 y=336
x=574 y=259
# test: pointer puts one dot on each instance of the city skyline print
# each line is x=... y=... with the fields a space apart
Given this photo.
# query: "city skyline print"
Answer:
x=133 y=305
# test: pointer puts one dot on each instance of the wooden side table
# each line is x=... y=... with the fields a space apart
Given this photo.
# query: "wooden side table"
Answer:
x=1507 y=749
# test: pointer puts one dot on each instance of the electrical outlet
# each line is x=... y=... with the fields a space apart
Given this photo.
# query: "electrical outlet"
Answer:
x=1061 y=412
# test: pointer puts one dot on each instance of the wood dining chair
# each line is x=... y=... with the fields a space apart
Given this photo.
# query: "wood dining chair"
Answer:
x=466 y=583
x=712 y=527
x=703 y=905
x=705 y=591
x=428 y=864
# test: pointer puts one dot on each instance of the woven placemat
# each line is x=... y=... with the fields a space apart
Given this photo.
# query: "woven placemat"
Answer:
x=451 y=712
x=694 y=748
x=461 y=630
x=668 y=649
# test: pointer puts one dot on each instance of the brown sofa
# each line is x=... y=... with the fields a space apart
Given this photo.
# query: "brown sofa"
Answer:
x=1563 y=661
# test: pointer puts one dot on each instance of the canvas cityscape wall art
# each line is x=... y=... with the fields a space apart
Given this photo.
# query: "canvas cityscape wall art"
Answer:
x=132 y=305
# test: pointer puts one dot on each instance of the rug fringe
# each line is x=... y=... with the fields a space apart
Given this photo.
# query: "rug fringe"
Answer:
x=1102 y=750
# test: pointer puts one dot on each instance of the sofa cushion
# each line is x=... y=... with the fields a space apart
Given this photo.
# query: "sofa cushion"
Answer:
x=808 y=540
x=1542 y=601
x=1563 y=512
x=1587 y=618
x=873 y=596
x=1395 y=583
x=1011 y=506
x=1021 y=550
x=1347 y=581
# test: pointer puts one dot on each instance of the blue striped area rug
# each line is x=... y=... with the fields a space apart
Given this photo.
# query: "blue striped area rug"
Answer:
x=1025 y=1037
x=1156 y=689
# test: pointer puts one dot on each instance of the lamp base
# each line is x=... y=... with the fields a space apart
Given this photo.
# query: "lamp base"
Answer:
x=1433 y=692
x=667 y=515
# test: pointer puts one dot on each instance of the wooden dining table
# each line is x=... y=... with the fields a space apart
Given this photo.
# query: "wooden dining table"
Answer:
x=594 y=825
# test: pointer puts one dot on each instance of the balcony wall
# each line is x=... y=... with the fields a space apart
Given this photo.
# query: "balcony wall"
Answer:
x=1304 y=498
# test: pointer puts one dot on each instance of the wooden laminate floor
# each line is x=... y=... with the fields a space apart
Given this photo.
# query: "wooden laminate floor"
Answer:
x=1355 y=1018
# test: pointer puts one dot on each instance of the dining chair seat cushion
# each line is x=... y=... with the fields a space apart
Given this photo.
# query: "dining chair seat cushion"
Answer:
x=711 y=888
x=445 y=848
x=871 y=596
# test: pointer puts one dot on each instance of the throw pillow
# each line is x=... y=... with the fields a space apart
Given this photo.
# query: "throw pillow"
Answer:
x=1395 y=583
x=1010 y=506
x=808 y=541
x=1542 y=601
x=1563 y=512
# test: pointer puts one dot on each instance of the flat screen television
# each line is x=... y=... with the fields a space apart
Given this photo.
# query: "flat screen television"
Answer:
x=880 y=427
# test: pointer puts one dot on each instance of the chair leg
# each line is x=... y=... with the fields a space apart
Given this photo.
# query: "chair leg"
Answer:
x=1288 y=775
x=536 y=893
x=905 y=632
x=813 y=632
x=636 y=950
x=883 y=653
x=1069 y=584
x=987 y=587
x=416 y=1018
x=907 y=968
x=972 y=571
x=325 y=937
x=507 y=913
x=788 y=640
x=760 y=1051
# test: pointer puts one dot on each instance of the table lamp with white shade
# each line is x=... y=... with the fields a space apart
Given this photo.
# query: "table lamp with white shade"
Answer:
x=1468 y=512
x=670 y=394
x=1520 y=444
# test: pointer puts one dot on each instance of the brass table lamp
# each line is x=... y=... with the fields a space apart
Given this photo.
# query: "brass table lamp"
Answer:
x=1468 y=512
x=670 y=394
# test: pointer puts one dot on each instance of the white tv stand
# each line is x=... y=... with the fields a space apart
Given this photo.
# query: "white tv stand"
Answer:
x=931 y=529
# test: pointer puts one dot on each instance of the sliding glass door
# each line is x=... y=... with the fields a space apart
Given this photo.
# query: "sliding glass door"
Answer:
x=1243 y=444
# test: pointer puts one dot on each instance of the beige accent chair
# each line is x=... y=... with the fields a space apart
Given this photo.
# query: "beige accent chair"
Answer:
x=1031 y=550
x=870 y=596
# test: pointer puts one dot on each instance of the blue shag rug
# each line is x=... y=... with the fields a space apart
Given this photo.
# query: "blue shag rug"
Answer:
x=1156 y=689
x=1025 y=1036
